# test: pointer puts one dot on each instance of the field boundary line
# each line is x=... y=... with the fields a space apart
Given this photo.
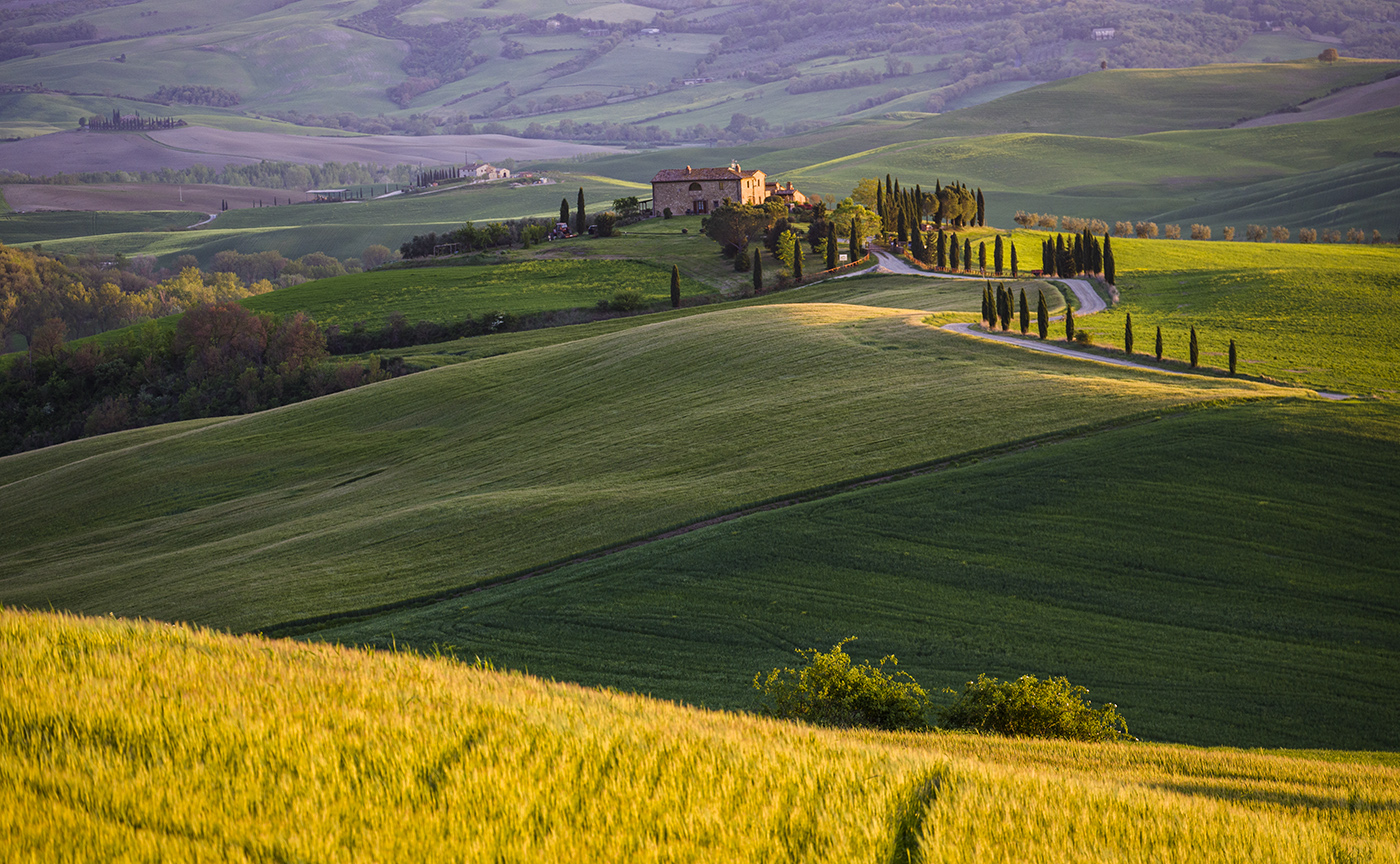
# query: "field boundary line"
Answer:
x=305 y=626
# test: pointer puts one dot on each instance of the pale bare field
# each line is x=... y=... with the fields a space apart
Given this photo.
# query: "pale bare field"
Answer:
x=202 y=145
x=1353 y=100
x=201 y=198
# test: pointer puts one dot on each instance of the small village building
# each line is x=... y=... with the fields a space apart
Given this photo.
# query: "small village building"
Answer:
x=702 y=190
x=787 y=194
x=1103 y=34
x=483 y=171
x=328 y=194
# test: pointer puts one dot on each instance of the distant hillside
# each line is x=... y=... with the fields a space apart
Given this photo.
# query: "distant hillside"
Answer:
x=598 y=70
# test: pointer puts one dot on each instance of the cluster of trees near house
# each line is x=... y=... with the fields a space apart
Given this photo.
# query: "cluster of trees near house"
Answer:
x=221 y=359
x=119 y=122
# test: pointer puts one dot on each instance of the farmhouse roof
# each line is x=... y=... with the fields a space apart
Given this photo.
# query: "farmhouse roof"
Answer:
x=676 y=175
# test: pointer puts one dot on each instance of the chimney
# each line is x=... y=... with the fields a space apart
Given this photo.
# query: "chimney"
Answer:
x=687 y=169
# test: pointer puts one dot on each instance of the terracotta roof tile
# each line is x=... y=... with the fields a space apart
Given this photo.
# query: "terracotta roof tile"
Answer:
x=675 y=175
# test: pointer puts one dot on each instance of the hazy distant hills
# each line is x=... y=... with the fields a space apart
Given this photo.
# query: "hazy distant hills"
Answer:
x=594 y=70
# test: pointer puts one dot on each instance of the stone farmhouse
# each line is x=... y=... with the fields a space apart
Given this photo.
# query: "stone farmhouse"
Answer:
x=702 y=190
x=484 y=171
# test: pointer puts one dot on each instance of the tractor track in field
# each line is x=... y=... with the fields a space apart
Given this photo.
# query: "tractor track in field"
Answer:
x=309 y=625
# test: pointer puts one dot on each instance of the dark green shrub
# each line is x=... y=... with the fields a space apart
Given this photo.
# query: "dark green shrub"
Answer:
x=606 y=223
x=1030 y=708
x=627 y=300
x=830 y=691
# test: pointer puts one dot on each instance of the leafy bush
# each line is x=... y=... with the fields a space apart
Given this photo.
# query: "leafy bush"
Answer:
x=830 y=691
x=627 y=300
x=1027 y=707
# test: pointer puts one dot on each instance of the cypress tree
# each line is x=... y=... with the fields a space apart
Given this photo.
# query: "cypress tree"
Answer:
x=1069 y=322
x=675 y=286
x=1025 y=313
x=831 y=246
x=901 y=229
x=1128 y=335
x=854 y=241
x=1159 y=343
x=1009 y=307
x=981 y=209
x=1098 y=253
x=1195 y=349
x=982 y=256
x=1058 y=266
x=987 y=305
x=953 y=253
x=942 y=261
x=757 y=272
x=1014 y=268
x=1042 y=316
x=920 y=251
x=967 y=254
x=880 y=202
x=1233 y=357
x=580 y=218
x=998 y=254
x=1077 y=255
x=1108 y=270
x=998 y=304
x=797 y=261
x=564 y=210
x=889 y=187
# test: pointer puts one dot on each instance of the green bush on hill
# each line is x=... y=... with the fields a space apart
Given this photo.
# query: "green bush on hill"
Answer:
x=1028 y=707
x=831 y=691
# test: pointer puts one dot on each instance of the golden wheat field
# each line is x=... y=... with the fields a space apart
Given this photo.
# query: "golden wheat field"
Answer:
x=134 y=741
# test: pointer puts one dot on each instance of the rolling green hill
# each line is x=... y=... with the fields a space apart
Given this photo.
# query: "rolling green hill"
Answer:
x=440 y=480
x=125 y=739
x=1224 y=575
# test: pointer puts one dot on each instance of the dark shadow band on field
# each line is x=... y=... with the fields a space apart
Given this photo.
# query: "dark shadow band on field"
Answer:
x=306 y=626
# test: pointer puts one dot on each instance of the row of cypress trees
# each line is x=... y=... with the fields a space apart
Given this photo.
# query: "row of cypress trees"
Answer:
x=998 y=308
x=902 y=210
x=1083 y=254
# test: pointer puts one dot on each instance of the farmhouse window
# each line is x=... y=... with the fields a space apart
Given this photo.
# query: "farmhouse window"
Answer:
x=694 y=187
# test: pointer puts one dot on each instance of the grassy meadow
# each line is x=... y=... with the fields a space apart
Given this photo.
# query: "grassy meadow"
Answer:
x=1172 y=566
x=1312 y=315
x=452 y=293
x=123 y=739
x=441 y=480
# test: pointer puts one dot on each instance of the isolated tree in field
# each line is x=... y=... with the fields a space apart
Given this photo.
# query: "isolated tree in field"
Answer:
x=1042 y=316
x=1328 y=55
x=564 y=210
x=998 y=255
x=1195 y=349
x=1159 y=343
x=1234 y=357
x=797 y=261
x=580 y=218
x=1069 y=322
x=675 y=287
x=831 y=245
x=1228 y=233
x=953 y=253
x=1128 y=335
x=1109 y=271
x=1025 y=314
x=757 y=272
x=967 y=254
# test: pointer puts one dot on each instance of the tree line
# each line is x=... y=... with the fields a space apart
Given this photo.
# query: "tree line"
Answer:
x=267 y=175
x=220 y=359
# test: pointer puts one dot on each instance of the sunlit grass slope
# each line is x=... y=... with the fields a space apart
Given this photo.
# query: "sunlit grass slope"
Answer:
x=123 y=740
x=1122 y=102
x=1318 y=315
x=468 y=472
x=1225 y=575
x=454 y=293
